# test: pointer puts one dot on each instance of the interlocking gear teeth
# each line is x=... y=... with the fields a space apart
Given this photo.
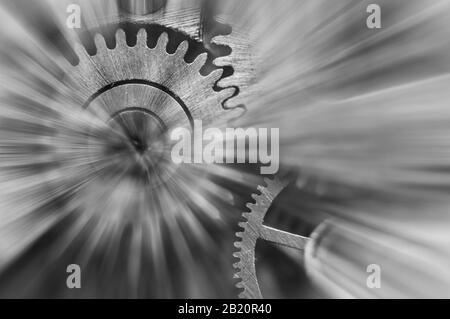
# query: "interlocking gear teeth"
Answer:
x=243 y=61
x=253 y=229
x=159 y=68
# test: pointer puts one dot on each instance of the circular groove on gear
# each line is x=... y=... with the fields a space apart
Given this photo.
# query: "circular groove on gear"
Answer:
x=143 y=110
x=144 y=82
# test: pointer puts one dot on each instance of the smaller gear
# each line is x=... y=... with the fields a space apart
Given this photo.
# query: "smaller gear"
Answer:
x=243 y=60
x=244 y=57
x=255 y=229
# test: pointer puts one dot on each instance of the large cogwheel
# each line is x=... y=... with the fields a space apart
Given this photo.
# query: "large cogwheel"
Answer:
x=254 y=229
x=186 y=17
x=160 y=83
x=140 y=94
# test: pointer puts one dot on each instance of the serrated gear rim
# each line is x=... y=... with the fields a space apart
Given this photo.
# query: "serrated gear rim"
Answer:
x=245 y=267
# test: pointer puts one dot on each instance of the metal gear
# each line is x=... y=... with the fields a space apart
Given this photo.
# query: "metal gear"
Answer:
x=243 y=62
x=163 y=84
x=254 y=229
x=185 y=16
x=142 y=93
x=243 y=58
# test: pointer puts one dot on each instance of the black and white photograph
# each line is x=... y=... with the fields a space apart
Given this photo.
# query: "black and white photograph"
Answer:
x=243 y=151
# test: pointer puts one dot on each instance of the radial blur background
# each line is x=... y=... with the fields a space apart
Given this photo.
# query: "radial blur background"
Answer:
x=364 y=120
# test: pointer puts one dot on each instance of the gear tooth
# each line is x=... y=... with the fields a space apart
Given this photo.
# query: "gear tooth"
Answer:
x=242 y=225
x=215 y=75
x=182 y=48
x=240 y=284
x=250 y=206
x=261 y=188
x=240 y=234
x=100 y=42
x=121 y=37
x=220 y=40
x=222 y=61
x=200 y=61
x=227 y=82
x=227 y=93
x=81 y=52
x=236 y=103
x=245 y=265
x=246 y=215
x=141 y=38
x=163 y=41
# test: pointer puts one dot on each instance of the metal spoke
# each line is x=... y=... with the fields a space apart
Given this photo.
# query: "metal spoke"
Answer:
x=280 y=237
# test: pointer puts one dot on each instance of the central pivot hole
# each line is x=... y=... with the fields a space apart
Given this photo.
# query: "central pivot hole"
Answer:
x=139 y=145
x=142 y=143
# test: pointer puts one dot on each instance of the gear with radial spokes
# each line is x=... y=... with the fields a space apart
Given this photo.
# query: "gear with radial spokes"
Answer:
x=254 y=229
